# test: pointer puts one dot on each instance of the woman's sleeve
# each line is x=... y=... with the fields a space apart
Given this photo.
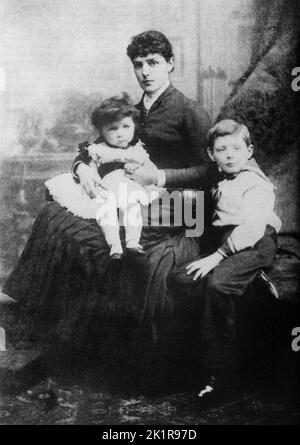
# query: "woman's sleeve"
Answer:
x=82 y=157
x=195 y=128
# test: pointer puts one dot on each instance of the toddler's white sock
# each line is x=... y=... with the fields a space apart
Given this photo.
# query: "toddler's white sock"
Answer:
x=116 y=248
x=133 y=244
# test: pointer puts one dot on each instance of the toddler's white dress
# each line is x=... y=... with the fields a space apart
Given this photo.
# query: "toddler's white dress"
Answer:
x=73 y=197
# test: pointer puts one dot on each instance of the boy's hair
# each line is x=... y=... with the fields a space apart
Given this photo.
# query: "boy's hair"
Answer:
x=227 y=127
x=114 y=109
x=150 y=42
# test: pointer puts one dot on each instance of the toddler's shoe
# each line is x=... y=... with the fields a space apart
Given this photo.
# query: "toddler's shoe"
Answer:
x=134 y=249
x=116 y=252
x=116 y=257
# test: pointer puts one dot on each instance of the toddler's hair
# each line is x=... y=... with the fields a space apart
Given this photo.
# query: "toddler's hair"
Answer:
x=150 y=42
x=114 y=109
x=227 y=127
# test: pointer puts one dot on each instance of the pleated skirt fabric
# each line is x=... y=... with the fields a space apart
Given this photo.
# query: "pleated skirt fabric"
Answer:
x=74 y=299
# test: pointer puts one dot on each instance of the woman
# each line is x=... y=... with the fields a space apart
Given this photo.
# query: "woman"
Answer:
x=66 y=285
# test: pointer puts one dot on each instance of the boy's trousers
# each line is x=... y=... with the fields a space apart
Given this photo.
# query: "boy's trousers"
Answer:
x=228 y=281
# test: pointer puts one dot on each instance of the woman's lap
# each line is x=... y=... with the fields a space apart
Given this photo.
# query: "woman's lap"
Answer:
x=54 y=278
x=67 y=287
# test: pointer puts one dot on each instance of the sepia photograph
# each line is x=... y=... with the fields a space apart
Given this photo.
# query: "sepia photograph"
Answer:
x=149 y=214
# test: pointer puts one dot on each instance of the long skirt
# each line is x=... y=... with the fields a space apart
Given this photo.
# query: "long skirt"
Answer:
x=72 y=298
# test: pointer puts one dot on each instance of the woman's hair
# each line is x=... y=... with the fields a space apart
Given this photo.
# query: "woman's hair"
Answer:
x=228 y=127
x=114 y=109
x=150 y=42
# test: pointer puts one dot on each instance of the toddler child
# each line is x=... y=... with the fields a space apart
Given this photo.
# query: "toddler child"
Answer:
x=115 y=119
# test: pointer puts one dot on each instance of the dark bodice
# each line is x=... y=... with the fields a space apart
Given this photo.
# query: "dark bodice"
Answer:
x=174 y=130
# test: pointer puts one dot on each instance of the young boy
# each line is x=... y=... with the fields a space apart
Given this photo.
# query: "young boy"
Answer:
x=243 y=241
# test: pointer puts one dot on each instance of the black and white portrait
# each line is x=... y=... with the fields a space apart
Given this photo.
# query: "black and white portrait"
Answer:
x=149 y=230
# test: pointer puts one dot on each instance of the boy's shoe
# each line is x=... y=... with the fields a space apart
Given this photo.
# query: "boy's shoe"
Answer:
x=209 y=389
x=269 y=284
x=215 y=392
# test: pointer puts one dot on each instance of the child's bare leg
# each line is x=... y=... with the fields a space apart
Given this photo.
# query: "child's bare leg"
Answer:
x=133 y=224
x=111 y=230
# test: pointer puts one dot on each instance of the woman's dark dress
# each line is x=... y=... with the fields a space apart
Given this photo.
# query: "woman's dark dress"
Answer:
x=71 y=296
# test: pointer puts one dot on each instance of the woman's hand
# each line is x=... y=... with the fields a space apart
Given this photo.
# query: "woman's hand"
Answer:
x=89 y=179
x=204 y=266
x=145 y=174
x=131 y=166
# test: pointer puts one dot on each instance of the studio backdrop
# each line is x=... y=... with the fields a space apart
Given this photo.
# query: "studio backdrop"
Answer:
x=60 y=58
